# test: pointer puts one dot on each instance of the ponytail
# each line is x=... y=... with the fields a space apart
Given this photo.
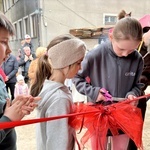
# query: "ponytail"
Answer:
x=43 y=72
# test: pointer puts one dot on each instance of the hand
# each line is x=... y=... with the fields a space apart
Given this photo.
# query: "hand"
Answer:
x=13 y=112
x=133 y=103
x=26 y=58
x=100 y=97
x=30 y=57
x=21 y=106
x=6 y=79
x=29 y=103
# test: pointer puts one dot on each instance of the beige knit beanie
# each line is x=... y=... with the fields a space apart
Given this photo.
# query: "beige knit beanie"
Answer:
x=66 y=53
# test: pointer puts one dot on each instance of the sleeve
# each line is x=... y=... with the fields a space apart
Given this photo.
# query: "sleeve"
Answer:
x=4 y=132
x=57 y=132
x=21 y=61
x=32 y=50
x=145 y=77
x=82 y=79
x=136 y=90
x=15 y=69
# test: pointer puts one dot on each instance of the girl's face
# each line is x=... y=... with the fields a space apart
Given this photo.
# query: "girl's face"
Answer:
x=4 y=46
x=21 y=82
x=124 y=47
x=74 y=68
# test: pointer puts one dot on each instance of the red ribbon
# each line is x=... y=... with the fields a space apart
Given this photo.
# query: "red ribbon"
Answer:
x=119 y=116
x=97 y=119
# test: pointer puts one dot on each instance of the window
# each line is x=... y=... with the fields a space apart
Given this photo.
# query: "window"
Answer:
x=11 y=2
x=26 y=25
x=33 y=24
x=20 y=29
x=109 y=19
x=16 y=31
x=6 y=5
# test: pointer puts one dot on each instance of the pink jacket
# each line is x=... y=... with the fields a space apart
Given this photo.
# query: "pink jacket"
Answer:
x=21 y=89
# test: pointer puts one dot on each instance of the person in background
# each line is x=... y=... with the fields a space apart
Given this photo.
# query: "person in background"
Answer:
x=18 y=57
x=65 y=54
x=116 y=66
x=21 y=88
x=25 y=63
x=144 y=50
x=10 y=67
x=22 y=105
x=27 y=43
x=103 y=36
x=40 y=51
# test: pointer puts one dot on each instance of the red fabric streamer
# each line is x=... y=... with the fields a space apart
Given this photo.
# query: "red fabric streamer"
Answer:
x=115 y=117
x=97 y=119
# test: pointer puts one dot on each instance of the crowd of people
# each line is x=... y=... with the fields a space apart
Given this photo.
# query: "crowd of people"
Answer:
x=120 y=64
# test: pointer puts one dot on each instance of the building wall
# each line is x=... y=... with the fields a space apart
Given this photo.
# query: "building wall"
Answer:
x=17 y=11
x=1 y=6
x=58 y=17
x=63 y=15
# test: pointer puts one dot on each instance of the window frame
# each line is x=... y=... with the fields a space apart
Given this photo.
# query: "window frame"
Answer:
x=109 y=22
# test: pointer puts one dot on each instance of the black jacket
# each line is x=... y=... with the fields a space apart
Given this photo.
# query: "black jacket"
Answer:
x=145 y=77
x=10 y=67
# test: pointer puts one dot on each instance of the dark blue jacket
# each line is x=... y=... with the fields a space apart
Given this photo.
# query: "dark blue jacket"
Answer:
x=10 y=67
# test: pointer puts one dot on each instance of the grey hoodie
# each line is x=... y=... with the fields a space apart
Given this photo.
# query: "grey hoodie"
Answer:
x=57 y=134
x=118 y=75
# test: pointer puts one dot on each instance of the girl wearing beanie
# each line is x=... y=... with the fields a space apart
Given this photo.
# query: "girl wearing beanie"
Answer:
x=63 y=60
x=21 y=88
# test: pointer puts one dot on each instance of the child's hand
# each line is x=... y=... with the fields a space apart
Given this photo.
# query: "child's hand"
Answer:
x=26 y=58
x=131 y=97
x=21 y=106
x=30 y=57
x=13 y=112
x=30 y=104
x=101 y=96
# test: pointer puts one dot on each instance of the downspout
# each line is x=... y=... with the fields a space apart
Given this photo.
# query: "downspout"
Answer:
x=38 y=12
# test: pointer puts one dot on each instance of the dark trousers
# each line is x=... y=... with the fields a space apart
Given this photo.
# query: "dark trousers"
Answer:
x=11 y=87
x=142 y=105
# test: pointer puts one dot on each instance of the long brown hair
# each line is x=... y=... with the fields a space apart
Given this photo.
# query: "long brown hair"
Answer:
x=44 y=69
